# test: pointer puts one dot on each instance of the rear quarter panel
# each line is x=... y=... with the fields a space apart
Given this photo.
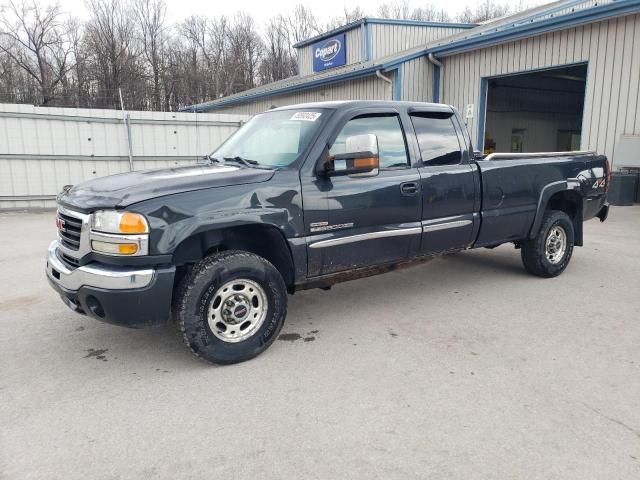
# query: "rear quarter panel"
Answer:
x=511 y=190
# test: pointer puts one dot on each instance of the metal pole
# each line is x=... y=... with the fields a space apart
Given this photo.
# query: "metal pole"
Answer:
x=127 y=126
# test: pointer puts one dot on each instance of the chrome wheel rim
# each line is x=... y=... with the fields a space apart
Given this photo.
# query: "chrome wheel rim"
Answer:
x=556 y=244
x=237 y=310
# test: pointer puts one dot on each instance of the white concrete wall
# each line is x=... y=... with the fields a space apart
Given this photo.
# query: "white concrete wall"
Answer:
x=43 y=149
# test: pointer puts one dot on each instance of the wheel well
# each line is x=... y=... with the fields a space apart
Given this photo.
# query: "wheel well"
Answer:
x=264 y=240
x=569 y=202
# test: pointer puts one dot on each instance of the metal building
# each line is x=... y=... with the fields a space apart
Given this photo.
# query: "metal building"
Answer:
x=562 y=76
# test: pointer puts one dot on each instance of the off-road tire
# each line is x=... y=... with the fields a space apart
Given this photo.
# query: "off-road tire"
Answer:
x=533 y=251
x=199 y=286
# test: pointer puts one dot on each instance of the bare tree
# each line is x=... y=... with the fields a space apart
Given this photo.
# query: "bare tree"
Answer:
x=110 y=37
x=348 y=16
x=429 y=13
x=484 y=11
x=278 y=61
x=399 y=10
x=35 y=39
x=245 y=51
x=303 y=24
x=48 y=57
x=150 y=16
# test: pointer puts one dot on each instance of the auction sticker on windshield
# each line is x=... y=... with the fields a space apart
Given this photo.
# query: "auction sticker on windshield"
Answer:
x=306 y=116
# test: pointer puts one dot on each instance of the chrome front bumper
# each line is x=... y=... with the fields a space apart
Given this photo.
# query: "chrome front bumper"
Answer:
x=95 y=275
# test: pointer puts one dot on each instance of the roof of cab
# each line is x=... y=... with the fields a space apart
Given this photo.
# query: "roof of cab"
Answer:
x=347 y=104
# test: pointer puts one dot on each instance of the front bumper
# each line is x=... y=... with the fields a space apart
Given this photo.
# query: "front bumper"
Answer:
x=131 y=297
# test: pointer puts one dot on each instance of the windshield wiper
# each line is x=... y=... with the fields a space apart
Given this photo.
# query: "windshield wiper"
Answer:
x=244 y=161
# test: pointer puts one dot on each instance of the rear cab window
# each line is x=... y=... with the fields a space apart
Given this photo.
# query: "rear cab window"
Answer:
x=437 y=138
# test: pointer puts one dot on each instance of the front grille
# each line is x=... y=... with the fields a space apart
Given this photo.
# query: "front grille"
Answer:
x=69 y=229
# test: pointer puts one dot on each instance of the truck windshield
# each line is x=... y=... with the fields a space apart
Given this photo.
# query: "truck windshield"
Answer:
x=273 y=139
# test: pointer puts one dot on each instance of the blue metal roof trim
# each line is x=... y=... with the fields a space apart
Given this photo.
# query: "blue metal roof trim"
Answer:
x=525 y=26
x=387 y=21
x=419 y=23
x=207 y=106
x=528 y=28
x=330 y=33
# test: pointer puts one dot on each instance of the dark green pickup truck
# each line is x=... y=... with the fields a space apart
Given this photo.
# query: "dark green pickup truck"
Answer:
x=307 y=196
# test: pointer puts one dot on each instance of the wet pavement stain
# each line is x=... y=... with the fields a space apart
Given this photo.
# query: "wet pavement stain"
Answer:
x=97 y=354
x=293 y=337
x=19 y=302
x=289 y=337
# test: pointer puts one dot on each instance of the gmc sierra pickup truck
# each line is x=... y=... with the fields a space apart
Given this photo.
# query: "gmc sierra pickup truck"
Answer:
x=302 y=197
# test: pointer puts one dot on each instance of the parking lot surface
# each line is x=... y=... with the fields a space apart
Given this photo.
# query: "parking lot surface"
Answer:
x=462 y=368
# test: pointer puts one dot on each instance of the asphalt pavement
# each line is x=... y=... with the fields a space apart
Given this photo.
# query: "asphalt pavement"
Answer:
x=464 y=367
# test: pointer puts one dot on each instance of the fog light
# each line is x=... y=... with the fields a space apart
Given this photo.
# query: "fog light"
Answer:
x=114 y=248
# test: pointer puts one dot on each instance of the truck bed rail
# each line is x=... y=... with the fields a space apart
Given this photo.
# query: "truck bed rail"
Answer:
x=504 y=156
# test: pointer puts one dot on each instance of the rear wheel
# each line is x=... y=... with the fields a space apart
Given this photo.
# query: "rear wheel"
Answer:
x=231 y=307
x=549 y=253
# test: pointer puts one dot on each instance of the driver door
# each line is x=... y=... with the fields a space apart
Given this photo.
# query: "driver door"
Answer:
x=366 y=219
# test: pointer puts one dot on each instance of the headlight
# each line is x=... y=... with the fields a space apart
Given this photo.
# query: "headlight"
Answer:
x=119 y=233
x=111 y=221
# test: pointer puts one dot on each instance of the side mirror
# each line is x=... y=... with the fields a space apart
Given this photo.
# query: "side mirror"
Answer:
x=360 y=157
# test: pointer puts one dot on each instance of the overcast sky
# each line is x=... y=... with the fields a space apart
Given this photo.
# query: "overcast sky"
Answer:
x=262 y=10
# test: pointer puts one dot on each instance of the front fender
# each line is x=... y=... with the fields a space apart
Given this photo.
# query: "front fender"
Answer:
x=173 y=219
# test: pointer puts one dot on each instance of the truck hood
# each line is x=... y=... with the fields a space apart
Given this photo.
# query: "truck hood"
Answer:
x=128 y=188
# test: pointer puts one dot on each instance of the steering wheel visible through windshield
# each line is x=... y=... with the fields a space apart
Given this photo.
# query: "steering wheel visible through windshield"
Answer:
x=273 y=139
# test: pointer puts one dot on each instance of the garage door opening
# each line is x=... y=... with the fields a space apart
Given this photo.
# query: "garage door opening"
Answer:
x=535 y=112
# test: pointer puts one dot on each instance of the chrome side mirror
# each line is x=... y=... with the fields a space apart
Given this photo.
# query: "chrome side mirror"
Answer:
x=361 y=156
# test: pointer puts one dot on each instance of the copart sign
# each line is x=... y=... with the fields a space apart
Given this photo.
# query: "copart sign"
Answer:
x=329 y=53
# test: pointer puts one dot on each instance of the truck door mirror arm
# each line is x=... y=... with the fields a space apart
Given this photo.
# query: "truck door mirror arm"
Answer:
x=360 y=157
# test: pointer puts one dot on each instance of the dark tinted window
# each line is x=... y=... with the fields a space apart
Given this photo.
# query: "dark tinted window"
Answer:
x=437 y=139
x=393 y=152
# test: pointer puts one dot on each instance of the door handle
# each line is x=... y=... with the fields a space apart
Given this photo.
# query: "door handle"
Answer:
x=409 y=188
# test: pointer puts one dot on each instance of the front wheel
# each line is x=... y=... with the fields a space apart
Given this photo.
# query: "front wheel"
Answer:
x=549 y=253
x=231 y=306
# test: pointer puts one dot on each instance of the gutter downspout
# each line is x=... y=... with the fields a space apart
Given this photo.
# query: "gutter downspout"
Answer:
x=386 y=79
x=432 y=58
x=437 y=65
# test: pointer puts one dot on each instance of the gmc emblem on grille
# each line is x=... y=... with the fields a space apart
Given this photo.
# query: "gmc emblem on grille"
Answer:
x=60 y=224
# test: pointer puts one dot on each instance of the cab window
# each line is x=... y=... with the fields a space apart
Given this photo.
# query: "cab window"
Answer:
x=391 y=144
x=437 y=139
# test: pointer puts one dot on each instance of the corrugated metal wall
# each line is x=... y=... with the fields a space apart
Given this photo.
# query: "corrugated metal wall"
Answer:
x=417 y=80
x=385 y=40
x=612 y=51
x=354 y=46
x=368 y=88
x=42 y=149
x=388 y=39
